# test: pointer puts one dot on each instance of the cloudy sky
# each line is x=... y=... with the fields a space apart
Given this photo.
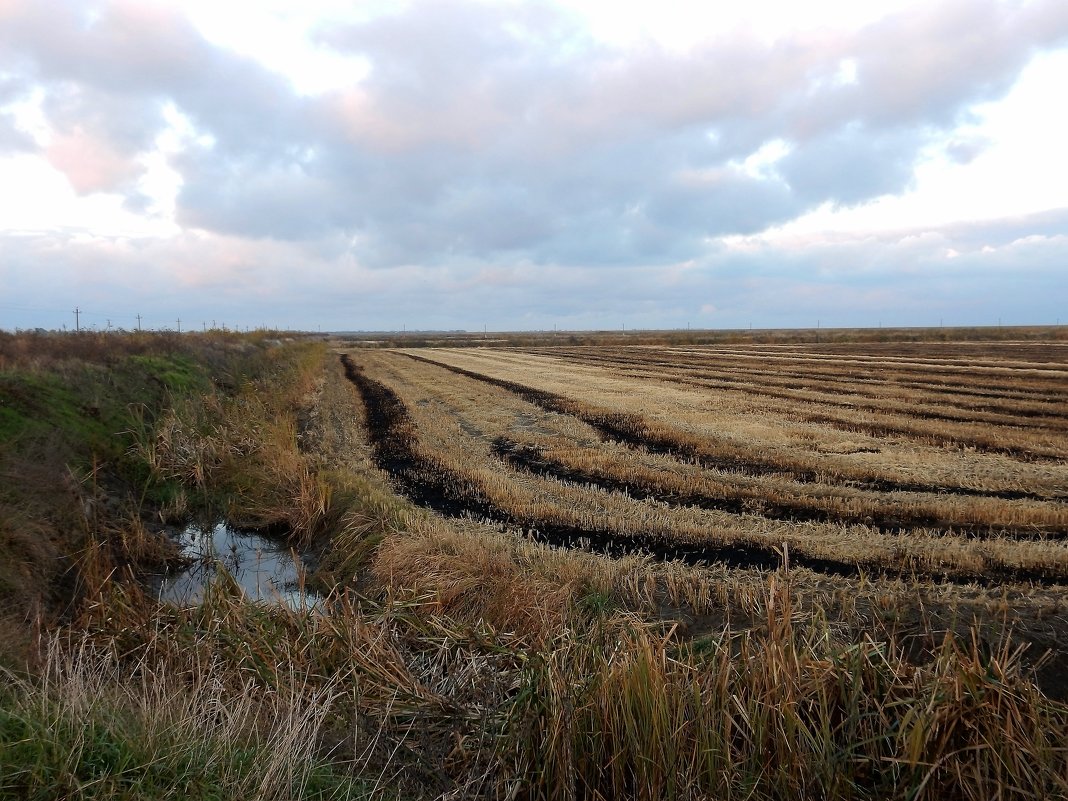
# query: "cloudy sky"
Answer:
x=524 y=165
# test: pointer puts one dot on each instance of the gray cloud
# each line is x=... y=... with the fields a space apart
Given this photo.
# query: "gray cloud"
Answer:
x=110 y=67
x=965 y=149
x=927 y=65
x=489 y=137
x=592 y=141
x=852 y=165
x=488 y=131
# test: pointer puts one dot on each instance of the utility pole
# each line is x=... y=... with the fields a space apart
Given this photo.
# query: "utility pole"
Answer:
x=77 y=323
x=139 y=322
x=179 y=325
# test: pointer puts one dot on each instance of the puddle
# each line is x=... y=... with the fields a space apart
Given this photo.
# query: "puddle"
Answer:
x=261 y=566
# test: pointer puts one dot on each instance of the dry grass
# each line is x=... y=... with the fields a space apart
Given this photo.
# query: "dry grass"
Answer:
x=421 y=694
x=242 y=446
x=121 y=727
x=784 y=715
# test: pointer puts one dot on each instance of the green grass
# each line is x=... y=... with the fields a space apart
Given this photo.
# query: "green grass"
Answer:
x=179 y=375
x=35 y=403
x=92 y=407
x=47 y=756
x=84 y=731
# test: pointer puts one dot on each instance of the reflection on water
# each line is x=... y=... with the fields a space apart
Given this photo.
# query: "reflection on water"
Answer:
x=263 y=568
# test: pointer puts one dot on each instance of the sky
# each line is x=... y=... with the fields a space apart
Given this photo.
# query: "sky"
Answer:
x=577 y=164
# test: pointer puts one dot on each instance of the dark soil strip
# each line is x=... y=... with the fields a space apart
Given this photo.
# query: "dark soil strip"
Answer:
x=631 y=431
x=967 y=359
x=799 y=410
x=531 y=459
x=392 y=435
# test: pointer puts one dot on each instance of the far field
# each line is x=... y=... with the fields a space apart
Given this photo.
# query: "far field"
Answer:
x=934 y=466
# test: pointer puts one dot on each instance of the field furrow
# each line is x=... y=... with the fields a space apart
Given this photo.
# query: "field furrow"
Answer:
x=780 y=500
x=715 y=451
x=447 y=443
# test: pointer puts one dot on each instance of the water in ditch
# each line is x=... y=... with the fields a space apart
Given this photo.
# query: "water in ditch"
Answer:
x=265 y=569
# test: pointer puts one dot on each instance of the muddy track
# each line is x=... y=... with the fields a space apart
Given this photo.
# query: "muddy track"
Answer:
x=392 y=435
x=631 y=431
x=959 y=373
x=393 y=438
x=531 y=459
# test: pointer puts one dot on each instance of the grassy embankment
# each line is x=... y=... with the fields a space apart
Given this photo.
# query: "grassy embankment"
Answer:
x=475 y=664
x=103 y=440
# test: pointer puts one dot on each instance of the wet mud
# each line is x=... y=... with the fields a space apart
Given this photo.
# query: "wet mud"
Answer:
x=527 y=457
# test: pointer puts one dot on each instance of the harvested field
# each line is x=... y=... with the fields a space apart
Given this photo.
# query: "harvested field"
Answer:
x=942 y=465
